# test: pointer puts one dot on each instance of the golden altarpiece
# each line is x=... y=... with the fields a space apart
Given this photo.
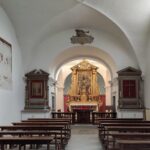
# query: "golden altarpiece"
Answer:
x=84 y=90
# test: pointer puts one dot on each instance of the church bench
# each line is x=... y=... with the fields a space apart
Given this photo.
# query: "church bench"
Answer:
x=121 y=129
x=58 y=129
x=103 y=125
x=128 y=128
x=31 y=133
x=49 y=119
x=33 y=127
x=42 y=123
x=134 y=144
x=103 y=133
x=103 y=115
x=119 y=120
x=66 y=130
x=24 y=141
x=111 y=138
x=45 y=119
x=61 y=115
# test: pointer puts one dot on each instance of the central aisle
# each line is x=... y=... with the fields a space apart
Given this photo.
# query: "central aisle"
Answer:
x=84 y=137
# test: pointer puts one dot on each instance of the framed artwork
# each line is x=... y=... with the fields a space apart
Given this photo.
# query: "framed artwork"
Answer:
x=5 y=64
x=37 y=89
x=130 y=89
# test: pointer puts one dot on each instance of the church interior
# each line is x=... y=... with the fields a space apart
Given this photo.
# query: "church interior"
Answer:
x=80 y=65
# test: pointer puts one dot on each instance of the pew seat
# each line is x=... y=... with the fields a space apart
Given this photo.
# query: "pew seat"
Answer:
x=23 y=141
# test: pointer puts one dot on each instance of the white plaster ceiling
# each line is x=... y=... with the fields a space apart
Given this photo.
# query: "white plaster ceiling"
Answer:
x=36 y=20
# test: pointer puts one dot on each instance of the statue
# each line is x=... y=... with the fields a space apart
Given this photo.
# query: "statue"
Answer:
x=81 y=33
x=81 y=37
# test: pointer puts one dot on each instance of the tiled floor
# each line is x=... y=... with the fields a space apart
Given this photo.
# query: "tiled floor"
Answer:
x=84 y=137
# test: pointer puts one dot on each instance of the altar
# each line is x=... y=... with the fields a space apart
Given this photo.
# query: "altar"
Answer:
x=83 y=112
x=83 y=106
x=84 y=92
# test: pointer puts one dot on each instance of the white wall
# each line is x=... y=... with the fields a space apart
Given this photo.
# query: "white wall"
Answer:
x=147 y=82
x=11 y=101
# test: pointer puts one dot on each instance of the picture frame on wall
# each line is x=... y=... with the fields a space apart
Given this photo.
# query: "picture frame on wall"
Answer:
x=5 y=64
x=37 y=89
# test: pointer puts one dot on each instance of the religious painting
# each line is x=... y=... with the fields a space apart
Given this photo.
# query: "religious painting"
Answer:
x=37 y=89
x=130 y=88
x=5 y=65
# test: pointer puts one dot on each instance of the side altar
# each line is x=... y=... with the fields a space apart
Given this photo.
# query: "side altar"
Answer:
x=36 y=95
x=84 y=92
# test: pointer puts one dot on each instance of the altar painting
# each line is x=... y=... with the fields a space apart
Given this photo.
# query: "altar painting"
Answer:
x=84 y=90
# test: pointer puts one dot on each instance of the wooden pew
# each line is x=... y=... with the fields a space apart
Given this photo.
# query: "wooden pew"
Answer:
x=103 y=126
x=70 y=115
x=107 y=129
x=137 y=128
x=134 y=144
x=112 y=143
x=128 y=128
x=105 y=123
x=122 y=129
x=31 y=133
x=52 y=128
x=48 y=120
x=66 y=124
x=66 y=130
x=33 y=127
x=120 y=120
x=59 y=121
x=103 y=115
x=25 y=140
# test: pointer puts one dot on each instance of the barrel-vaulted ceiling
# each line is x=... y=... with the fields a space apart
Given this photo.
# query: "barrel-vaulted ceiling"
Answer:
x=36 y=20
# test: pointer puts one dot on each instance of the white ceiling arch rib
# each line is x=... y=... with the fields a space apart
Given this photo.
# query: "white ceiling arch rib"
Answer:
x=121 y=32
x=74 y=53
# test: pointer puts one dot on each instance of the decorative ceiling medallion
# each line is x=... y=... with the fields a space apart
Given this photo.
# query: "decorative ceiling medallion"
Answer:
x=81 y=37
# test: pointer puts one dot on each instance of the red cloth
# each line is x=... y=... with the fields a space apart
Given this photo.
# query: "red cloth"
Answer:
x=66 y=97
x=102 y=99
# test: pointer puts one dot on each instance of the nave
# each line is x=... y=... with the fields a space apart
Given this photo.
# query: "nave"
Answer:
x=59 y=134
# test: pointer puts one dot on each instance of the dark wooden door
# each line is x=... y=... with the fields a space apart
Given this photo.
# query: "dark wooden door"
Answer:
x=83 y=116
